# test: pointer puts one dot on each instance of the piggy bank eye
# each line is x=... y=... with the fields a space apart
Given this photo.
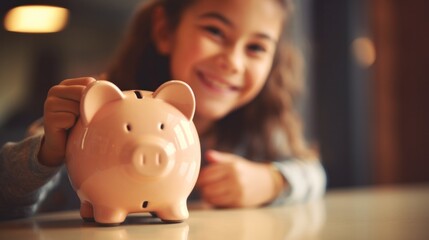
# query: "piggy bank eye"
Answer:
x=161 y=126
x=128 y=127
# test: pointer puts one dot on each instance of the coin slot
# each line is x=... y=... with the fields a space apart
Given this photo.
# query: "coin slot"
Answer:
x=138 y=94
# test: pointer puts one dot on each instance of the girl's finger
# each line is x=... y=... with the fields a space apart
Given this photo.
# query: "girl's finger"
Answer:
x=54 y=105
x=73 y=92
x=215 y=189
x=84 y=81
x=212 y=173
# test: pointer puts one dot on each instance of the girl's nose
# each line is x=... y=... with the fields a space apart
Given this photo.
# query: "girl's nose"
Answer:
x=231 y=60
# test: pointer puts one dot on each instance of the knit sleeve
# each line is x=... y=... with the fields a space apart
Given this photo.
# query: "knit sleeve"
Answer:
x=24 y=182
x=306 y=180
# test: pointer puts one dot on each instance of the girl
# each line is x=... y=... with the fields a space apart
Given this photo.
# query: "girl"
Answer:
x=235 y=56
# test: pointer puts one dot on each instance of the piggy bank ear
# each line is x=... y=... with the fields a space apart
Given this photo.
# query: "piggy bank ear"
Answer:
x=179 y=94
x=96 y=95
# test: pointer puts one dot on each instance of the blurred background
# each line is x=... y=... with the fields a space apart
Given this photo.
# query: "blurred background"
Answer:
x=367 y=75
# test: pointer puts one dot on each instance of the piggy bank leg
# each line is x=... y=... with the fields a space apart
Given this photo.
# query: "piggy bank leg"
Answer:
x=106 y=215
x=174 y=213
x=86 y=212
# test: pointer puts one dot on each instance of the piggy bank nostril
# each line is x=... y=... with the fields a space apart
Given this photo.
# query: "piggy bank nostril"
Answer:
x=141 y=160
x=128 y=127
x=157 y=159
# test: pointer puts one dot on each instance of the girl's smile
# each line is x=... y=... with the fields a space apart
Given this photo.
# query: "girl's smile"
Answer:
x=224 y=50
x=217 y=84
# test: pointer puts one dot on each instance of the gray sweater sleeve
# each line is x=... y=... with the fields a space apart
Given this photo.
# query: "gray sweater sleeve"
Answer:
x=306 y=180
x=24 y=182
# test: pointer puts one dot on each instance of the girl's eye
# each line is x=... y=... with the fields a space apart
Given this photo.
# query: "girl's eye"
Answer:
x=256 y=48
x=161 y=126
x=214 y=31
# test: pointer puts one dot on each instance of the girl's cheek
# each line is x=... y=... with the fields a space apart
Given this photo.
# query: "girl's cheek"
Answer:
x=258 y=71
x=194 y=52
x=206 y=48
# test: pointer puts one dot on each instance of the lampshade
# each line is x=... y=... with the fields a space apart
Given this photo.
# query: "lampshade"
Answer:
x=36 y=19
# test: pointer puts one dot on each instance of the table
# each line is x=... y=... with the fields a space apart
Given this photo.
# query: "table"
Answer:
x=397 y=212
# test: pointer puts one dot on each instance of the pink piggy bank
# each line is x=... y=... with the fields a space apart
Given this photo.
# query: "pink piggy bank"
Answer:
x=134 y=151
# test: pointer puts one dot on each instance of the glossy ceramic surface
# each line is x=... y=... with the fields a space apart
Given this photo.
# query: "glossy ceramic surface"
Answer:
x=134 y=151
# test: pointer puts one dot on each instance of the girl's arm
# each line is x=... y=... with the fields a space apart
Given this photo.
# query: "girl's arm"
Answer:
x=304 y=180
x=27 y=168
x=230 y=180
x=24 y=182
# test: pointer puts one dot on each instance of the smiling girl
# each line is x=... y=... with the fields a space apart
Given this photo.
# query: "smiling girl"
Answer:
x=246 y=78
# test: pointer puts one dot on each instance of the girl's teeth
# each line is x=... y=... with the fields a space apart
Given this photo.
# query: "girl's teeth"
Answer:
x=219 y=84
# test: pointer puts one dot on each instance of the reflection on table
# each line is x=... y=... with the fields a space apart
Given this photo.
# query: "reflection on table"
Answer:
x=372 y=213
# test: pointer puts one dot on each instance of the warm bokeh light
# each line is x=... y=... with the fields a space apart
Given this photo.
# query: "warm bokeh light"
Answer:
x=36 y=19
x=364 y=51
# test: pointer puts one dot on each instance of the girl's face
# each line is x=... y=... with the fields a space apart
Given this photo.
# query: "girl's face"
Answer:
x=224 y=50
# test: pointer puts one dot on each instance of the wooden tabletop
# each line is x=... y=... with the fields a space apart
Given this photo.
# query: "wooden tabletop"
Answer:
x=399 y=212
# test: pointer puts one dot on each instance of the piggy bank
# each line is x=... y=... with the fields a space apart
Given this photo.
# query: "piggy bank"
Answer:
x=134 y=151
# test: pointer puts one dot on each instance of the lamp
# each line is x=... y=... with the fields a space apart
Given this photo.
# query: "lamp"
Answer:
x=36 y=18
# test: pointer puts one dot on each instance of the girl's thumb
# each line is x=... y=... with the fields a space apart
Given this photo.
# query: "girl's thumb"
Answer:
x=213 y=156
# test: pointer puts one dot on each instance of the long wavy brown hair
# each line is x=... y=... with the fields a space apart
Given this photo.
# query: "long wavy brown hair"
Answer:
x=266 y=129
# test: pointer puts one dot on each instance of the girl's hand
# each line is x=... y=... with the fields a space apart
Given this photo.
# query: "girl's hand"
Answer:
x=232 y=181
x=61 y=111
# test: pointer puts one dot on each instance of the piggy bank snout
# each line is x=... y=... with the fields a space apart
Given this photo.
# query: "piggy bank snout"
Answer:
x=153 y=157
